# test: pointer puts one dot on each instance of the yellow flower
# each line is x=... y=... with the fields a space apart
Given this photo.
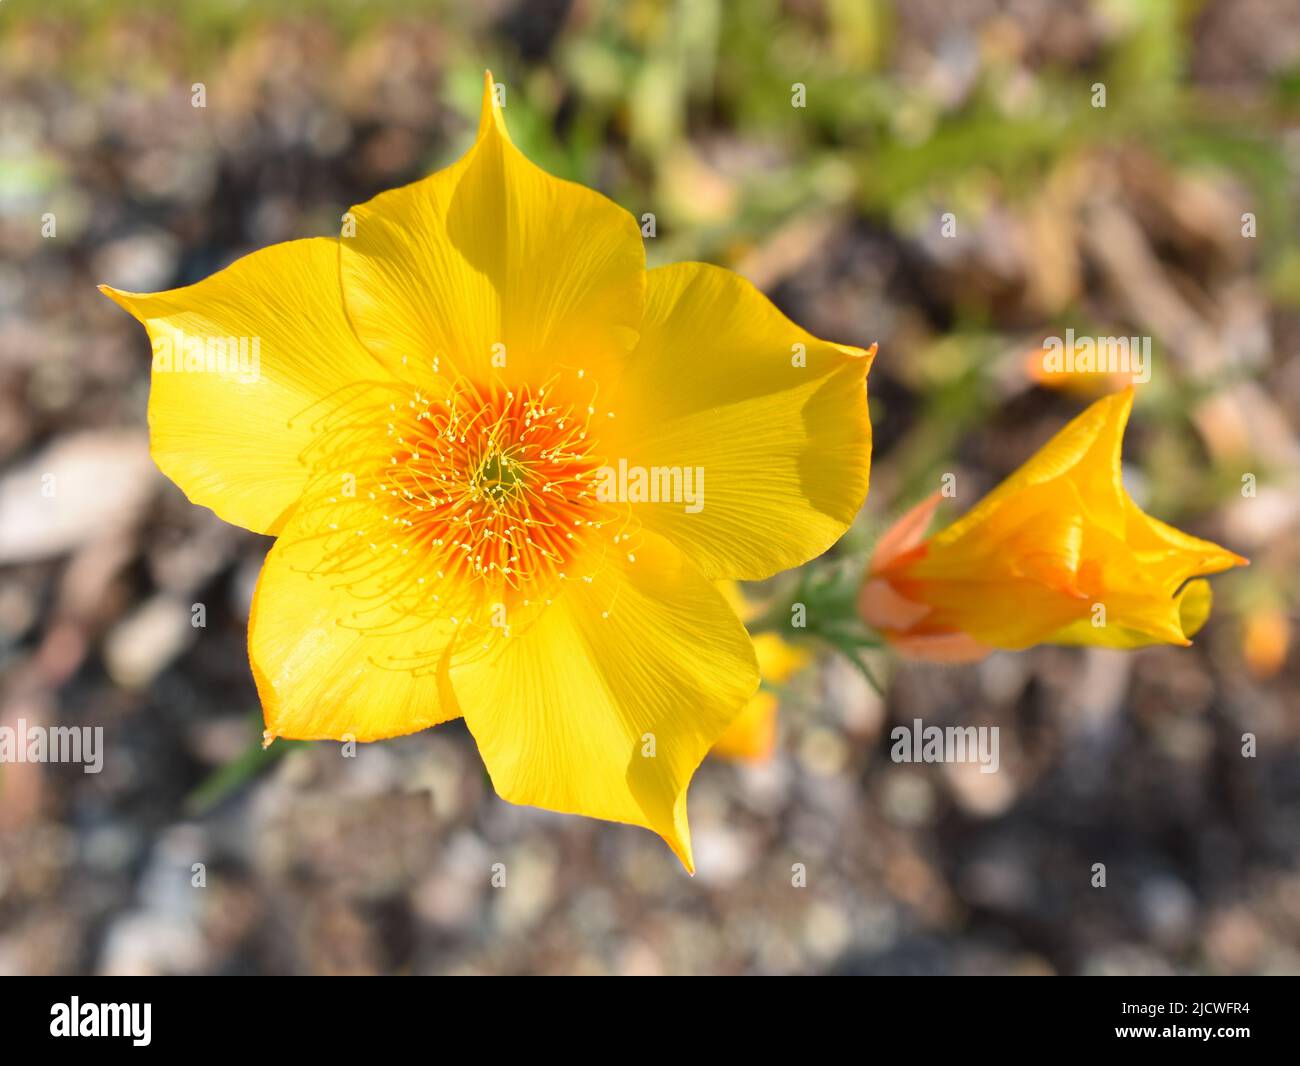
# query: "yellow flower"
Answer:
x=505 y=464
x=1058 y=553
x=752 y=736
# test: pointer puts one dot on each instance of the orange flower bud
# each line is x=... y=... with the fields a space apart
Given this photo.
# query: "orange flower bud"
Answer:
x=1058 y=553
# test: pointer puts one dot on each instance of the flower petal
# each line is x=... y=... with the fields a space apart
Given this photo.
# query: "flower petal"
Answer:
x=1086 y=450
x=714 y=386
x=647 y=654
x=338 y=647
x=941 y=647
x=778 y=659
x=1194 y=604
x=1026 y=552
x=1172 y=555
x=495 y=268
x=905 y=534
x=229 y=430
x=752 y=736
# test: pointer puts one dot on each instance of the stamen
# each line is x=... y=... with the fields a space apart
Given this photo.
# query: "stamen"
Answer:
x=479 y=492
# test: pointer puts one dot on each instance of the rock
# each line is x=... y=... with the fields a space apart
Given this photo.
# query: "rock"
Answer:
x=79 y=489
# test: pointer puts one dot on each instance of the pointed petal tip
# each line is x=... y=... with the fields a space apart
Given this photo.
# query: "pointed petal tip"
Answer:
x=1128 y=396
x=1219 y=561
x=678 y=837
x=127 y=301
x=866 y=355
x=491 y=117
x=116 y=295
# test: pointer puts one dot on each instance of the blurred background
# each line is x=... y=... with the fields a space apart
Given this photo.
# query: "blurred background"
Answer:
x=1170 y=213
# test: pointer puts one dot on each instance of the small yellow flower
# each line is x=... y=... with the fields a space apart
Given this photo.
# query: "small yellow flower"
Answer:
x=1058 y=553
x=752 y=736
x=424 y=412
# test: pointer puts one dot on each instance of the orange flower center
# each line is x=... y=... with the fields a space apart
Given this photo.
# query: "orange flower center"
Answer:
x=473 y=501
x=494 y=483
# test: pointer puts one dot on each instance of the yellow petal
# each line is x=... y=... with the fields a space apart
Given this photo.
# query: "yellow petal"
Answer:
x=648 y=658
x=714 y=387
x=495 y=269
x=744 y=607
x=1010 y=580
x=1036 y=535
x=1194 y=604
x=1137 y=615
x=1169 y=554
x=778 y=659
x=229 y=429
x=1087 y=450
x=752 y=736
x=345 y=640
